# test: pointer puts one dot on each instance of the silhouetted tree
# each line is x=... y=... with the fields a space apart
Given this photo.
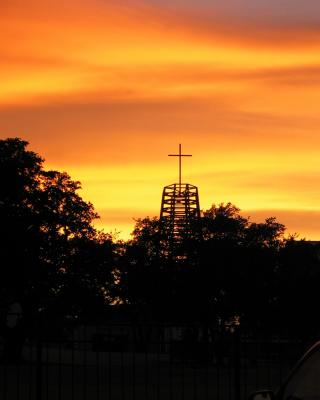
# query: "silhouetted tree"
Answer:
x=298 y=281
x=234 y=275
x=224 y=222
x=87 y=282
x=46 y=230
x=145 y=272
x=238 y=262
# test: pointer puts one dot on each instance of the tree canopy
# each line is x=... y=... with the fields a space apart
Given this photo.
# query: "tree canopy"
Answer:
x=246 y=269
x=46 y=231
x=54 y=257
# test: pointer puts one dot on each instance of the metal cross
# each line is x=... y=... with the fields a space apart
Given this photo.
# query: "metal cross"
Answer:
x=180 y=155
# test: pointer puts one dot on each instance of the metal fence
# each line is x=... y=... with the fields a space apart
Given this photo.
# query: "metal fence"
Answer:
x=102 y=360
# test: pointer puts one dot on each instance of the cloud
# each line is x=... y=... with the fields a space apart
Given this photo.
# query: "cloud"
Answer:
x=112 y=87
x=283 y=11
x=79 y=47
x=305 y=223
x=301 y=222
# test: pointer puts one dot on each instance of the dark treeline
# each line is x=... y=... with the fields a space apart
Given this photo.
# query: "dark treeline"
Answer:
x=56 y=262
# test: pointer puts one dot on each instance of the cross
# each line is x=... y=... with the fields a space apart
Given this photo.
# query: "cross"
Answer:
x=180 y=155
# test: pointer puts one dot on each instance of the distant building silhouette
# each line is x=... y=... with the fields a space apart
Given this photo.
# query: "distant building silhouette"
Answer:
x=180 y=213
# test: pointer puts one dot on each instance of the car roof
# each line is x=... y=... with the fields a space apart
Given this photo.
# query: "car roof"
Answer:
x=313 y=349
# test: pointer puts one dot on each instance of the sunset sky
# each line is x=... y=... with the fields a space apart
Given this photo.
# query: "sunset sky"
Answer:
x=105 y=90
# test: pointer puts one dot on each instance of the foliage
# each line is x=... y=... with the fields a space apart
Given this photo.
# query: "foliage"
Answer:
x=48 y=242
x=243 y=268
x=52 y=254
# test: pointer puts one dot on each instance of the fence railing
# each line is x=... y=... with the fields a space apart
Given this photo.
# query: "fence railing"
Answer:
x=103 y=360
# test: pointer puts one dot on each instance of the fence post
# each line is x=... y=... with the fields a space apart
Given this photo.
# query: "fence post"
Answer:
x=39 y=359
x=237 y=364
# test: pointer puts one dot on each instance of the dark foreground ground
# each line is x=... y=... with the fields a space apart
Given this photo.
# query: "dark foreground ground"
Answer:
x=72 y=374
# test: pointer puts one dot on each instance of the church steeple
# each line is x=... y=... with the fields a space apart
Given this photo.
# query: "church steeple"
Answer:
x=180 y=212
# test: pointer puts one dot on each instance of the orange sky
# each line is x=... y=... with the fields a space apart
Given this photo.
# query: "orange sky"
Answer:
x=106 y=89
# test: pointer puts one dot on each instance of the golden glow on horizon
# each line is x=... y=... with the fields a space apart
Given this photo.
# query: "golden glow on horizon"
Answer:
x=105 y=91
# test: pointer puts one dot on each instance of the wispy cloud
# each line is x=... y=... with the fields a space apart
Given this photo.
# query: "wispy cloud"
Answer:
x=108 y=87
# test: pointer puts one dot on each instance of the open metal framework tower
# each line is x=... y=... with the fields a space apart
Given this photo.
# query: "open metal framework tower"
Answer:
x=180 y=212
